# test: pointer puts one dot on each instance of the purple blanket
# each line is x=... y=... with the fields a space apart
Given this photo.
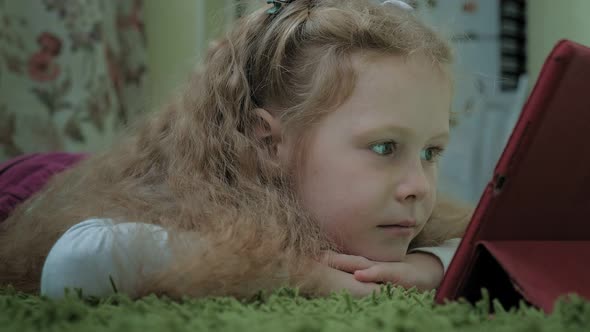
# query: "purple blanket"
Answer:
x=23 y=176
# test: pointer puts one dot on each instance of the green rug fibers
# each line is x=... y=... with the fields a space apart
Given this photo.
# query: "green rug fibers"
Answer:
x=393 y=310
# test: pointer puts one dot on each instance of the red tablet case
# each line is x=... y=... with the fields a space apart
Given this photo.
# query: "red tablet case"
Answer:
x=529 y=237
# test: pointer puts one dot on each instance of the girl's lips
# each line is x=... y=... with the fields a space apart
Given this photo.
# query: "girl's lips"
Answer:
x=402 y=228
x=404 y=223
x=397 y=230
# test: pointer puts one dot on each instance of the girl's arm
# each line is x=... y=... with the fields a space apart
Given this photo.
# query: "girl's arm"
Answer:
x=92 y=253
x=102 y=257
x=444 y=252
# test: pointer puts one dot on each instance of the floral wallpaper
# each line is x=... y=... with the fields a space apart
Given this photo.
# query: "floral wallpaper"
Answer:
x=72 y=73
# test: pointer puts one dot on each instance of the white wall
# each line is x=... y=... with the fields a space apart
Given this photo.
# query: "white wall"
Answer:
x=551 y=20
x=178 y=32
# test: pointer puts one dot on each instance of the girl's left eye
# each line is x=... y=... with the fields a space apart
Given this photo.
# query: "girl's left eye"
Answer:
x=431 y=154
x=384 y=148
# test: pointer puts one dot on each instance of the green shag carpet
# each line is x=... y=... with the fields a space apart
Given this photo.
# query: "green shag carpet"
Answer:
x=394 y=309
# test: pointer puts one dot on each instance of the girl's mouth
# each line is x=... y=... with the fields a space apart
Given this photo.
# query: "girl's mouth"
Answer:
x=402 y=228
x=410 y=223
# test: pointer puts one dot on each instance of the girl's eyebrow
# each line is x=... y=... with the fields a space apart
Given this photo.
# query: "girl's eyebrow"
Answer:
x=405 y=131
x=372 y=131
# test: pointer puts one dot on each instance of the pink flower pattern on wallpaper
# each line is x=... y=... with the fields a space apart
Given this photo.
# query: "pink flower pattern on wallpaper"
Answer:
x=72 y=73
x=42 y=65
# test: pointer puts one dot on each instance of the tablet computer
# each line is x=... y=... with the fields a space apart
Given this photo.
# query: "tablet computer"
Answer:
x=529 y=237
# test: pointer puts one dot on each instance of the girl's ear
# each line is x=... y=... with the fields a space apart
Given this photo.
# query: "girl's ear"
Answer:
x=269 y=131
x=269 y=128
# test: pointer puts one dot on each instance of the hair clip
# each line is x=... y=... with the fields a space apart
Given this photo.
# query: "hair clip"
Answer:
x=277 y=5
x=398 y=3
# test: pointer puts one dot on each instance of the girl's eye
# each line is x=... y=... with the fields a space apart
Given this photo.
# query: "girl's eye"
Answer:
x=431 y=154
x=384 y=148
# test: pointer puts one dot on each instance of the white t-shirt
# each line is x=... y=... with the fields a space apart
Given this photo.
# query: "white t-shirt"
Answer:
x=99 y=256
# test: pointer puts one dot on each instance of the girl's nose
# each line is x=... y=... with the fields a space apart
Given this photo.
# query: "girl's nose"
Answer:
x=413 y=185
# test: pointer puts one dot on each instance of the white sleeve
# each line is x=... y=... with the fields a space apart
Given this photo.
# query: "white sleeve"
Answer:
x=444 y=252
x=97 y=253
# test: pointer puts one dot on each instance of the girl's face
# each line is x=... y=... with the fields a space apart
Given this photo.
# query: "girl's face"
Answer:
x=370 y=173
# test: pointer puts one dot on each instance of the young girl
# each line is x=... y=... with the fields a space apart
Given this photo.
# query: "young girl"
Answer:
x=303 y=154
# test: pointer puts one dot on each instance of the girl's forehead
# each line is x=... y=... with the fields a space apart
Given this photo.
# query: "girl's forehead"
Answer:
x=394 y=92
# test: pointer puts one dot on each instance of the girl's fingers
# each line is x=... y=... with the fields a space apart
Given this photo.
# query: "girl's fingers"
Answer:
x=346 y=263
x=395 y=273
x=326 y=280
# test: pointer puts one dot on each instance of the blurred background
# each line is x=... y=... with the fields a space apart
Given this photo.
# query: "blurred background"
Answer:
x=74 y=73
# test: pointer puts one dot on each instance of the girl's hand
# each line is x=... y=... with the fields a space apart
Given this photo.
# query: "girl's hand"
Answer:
x=346 y=263
x=325 y=280
x=421 y=270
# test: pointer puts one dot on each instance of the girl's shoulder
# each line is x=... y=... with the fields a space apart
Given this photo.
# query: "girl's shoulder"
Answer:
x=99 y=256
x=105 y=226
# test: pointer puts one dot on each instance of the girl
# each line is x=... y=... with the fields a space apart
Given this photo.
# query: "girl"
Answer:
x=303 y=154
